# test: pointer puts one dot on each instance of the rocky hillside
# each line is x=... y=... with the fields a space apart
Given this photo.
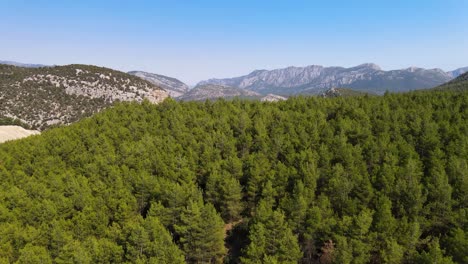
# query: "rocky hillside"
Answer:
x=174 y=87
x=211 y=91
x=317 y=79
x=47 y=96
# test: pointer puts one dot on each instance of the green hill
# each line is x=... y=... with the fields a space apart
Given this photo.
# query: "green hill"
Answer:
x=47 y=96
x=308 y=180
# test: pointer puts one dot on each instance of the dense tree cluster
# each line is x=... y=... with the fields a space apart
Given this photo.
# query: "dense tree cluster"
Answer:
x=307 y=180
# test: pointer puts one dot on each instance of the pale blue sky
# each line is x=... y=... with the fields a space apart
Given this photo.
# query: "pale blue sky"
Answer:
x=195 y=40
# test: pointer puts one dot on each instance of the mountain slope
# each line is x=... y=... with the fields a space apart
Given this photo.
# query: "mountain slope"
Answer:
x=458 y=72
x=316 y=79
x=173 y=86
x=210 y=91
x=47 y=96
x=458 y=84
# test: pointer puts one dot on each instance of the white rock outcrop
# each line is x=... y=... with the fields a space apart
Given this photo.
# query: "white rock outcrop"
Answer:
x=15 y=132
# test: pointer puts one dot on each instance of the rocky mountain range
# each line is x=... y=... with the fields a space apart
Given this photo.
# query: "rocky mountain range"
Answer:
x=174 y=87
x=316 y=79
x=42 y=97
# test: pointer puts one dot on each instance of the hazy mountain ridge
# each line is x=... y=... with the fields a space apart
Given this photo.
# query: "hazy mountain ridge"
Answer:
x=458 y=72
x=316 y=79
x=173 y=86
x=42 y=97
x=25 y=65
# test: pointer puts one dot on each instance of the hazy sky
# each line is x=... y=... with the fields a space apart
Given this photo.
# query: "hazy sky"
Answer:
x=198 y=39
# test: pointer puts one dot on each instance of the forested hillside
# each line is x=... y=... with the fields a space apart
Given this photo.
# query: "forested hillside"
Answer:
x=307 y=180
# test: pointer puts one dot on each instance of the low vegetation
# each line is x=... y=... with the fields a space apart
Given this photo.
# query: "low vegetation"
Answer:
x=8 y=121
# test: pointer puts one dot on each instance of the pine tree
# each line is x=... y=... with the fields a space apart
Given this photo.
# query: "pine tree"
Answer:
x=271 y=238
x=201 y=233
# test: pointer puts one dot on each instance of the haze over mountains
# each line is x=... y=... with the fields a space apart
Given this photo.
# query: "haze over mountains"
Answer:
x=315 y=79
x=26 y=65
x=458 y=72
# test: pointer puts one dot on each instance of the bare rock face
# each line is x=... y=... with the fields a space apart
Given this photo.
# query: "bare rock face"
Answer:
x=272 y=98
x=316 y=79
x=157 y=96
x=174 y=87
x=15 y=132
x=47 y=96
